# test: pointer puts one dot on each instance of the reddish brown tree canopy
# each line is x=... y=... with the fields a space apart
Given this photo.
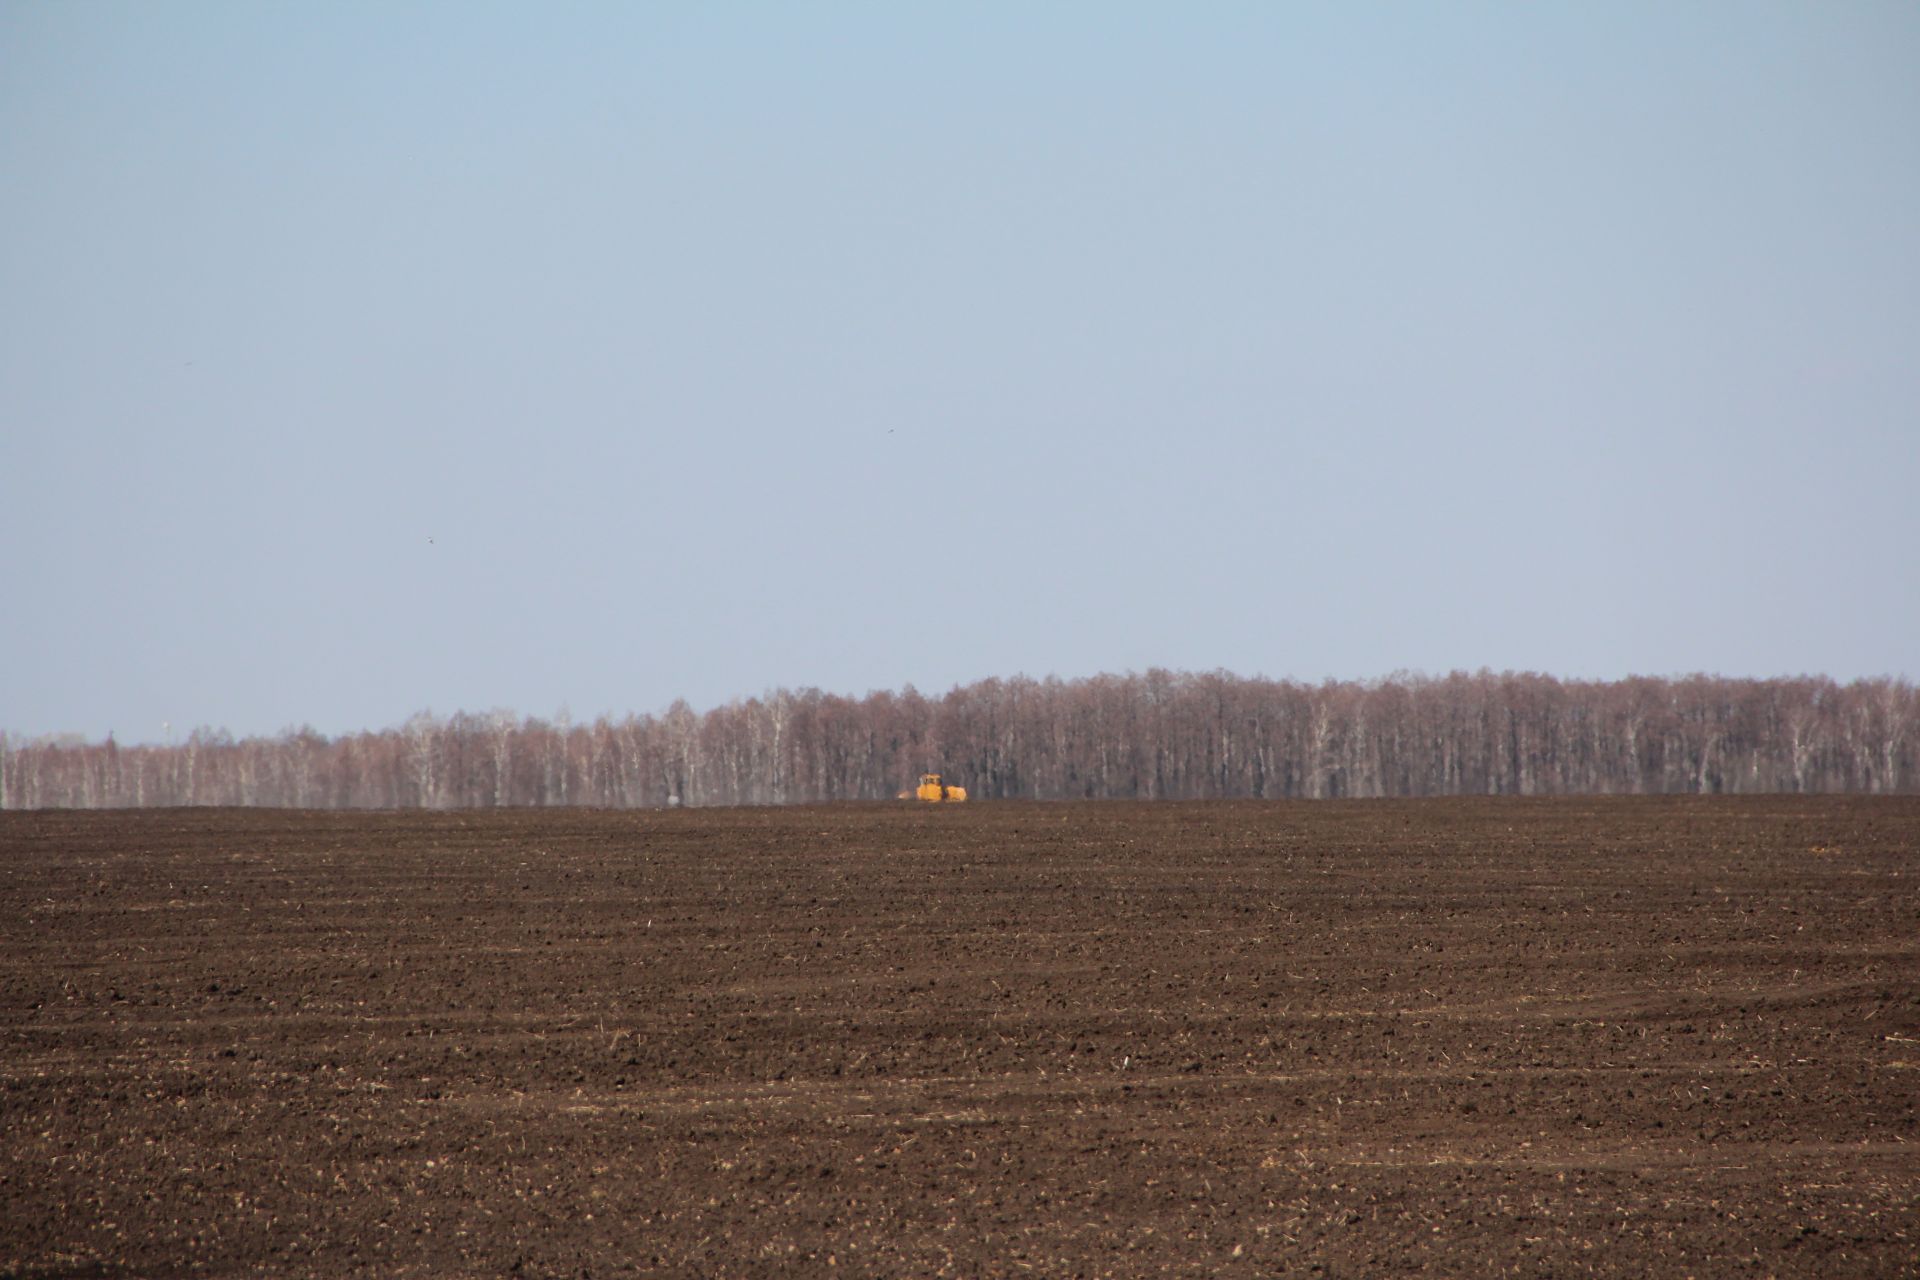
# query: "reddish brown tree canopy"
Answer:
x=1158 y=735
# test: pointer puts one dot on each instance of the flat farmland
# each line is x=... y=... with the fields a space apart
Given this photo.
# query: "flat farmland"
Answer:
x=1528 y=1037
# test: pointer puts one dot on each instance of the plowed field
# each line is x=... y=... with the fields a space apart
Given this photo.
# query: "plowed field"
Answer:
x=1565 y=1037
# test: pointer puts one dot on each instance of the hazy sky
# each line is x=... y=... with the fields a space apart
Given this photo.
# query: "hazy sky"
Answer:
x=357 y=359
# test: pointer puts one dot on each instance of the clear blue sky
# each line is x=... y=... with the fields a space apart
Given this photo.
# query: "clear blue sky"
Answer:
x=357 y=359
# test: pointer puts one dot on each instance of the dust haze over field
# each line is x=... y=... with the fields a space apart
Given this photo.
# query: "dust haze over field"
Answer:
x=1609 y=1037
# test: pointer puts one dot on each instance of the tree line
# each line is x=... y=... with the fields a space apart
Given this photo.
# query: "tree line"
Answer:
x=1152 y=735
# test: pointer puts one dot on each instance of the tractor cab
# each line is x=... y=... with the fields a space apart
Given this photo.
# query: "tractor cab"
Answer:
x=932 y=789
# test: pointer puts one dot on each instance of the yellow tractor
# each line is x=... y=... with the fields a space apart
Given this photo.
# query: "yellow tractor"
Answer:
x=932 y=789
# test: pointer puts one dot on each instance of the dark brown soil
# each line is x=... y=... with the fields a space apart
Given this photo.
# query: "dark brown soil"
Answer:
x=1562 y=1037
